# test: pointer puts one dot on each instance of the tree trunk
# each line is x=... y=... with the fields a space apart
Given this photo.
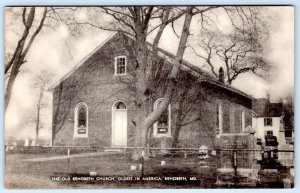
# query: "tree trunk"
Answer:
x=178 y=125
x=141 y=133
x=9 y=88
x=21 y=50
x=15 y=67
x=39 y=106
x=11 y=80
x=176 y=133
x=142 y=96
x=18 y=58
x=146 y=118
x=172 y=79
x=37 y=126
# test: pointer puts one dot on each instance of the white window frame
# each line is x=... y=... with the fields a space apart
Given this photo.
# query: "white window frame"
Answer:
x=155 y=133
x=116 y=59
x=76 y=134
x=220 y=118
x=265 y=119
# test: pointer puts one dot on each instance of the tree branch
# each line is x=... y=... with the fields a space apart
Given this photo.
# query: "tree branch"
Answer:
x=21 y=42
x=147 y=18
x=207 y=59
x=23 y=17
x=101 y=27
x=37 y=31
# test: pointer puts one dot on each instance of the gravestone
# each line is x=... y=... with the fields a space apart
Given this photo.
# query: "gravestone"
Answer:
x=202 y=156
x=33 y=143
x=26 y=142
x=237 y=155
x=286 y=155
x=242 y=144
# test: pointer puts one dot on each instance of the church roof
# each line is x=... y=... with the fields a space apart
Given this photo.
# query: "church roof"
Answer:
x=192 y=68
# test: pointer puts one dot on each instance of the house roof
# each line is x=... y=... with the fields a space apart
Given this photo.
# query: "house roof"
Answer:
x=263 y=108
x=193 y=69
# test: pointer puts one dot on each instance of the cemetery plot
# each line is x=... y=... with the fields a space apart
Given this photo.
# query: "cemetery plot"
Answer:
x=182 y=169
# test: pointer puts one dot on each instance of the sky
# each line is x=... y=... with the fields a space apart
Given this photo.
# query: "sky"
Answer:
x=57 y=52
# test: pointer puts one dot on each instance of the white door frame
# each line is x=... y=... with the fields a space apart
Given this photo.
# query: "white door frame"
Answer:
x=113 y=140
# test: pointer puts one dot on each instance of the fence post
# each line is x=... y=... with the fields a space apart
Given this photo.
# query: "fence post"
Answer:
x=235 y=165
x=272 y=153
x=68 y=158
x=143 y=154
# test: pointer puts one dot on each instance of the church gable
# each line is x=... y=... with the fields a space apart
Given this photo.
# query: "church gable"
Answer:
x=100 y=61
x=114 y=56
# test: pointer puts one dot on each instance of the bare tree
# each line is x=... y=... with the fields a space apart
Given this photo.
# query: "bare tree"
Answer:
x=145 y=115
x=27 y=23
x=133 y=21
x=23 y=46
x=137 y=22
x=41 y=82
x=239 y=51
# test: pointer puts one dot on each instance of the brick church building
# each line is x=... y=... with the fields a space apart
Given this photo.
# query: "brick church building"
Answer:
x=92 y=104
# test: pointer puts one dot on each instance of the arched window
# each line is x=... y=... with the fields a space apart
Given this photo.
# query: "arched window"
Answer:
x=162 y=127
x=81 y=120
x=120 y=105
x=243 y=119
x=219 y=119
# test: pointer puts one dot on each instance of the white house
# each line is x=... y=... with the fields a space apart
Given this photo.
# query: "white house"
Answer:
x=267 y=120
x=270 y=128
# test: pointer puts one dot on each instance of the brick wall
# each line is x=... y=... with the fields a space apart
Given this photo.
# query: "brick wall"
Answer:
x=94 y=83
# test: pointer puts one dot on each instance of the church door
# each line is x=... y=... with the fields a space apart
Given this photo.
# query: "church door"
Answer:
x=119 y=125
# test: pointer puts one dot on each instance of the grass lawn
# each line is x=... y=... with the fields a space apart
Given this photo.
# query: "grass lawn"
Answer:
x=22 y=174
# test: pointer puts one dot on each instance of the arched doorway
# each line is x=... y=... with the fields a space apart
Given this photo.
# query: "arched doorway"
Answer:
x=119 y=124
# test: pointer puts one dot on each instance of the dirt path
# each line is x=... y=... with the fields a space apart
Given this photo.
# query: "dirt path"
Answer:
x=42 y=159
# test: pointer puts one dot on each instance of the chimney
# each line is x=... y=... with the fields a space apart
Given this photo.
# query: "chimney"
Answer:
x=221 y=75
x=268 y=97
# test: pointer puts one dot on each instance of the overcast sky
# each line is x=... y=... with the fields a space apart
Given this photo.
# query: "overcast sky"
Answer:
x=58 y=52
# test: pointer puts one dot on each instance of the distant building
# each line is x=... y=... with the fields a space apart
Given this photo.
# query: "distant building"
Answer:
x=268 y=121
x=10 y=141
x=273 y=127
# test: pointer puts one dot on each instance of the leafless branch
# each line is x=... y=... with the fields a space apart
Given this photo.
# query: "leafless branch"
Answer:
x=37 y=31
